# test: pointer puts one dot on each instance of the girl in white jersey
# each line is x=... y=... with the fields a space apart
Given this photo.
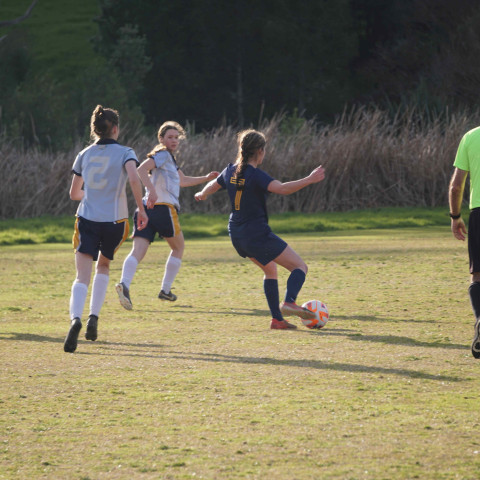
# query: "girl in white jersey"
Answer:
x=99 y=182
x=162 y=179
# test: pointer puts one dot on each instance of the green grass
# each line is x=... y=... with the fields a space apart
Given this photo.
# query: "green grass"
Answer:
x=60 y=229
x=201 y=388
x=59 y=33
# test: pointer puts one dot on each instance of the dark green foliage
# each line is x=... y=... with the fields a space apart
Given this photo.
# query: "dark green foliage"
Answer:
x=101 y=85
x=15 y=60
x=212 y=63
x=236 y=60
x=51 y=80
x=309 y=47
x=419 y=52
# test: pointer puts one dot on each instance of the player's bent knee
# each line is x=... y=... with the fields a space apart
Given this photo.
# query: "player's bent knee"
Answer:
x=303 y=267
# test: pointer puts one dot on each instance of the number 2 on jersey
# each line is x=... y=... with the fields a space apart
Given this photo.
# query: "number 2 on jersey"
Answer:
x=95 y=178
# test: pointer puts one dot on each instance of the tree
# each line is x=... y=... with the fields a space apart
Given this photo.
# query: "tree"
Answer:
x=309 y=47
x=216 y=61
x=420 y=52
x=15 y=21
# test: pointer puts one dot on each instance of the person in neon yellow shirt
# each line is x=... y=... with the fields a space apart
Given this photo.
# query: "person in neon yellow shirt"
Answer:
x=467 y=161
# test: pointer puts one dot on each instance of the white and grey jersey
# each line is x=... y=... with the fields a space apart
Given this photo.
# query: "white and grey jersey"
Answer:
x=102 y=166
x=165 y=179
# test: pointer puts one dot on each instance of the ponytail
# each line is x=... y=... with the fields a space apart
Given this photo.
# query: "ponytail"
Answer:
x=249 y=142
x=102 y=122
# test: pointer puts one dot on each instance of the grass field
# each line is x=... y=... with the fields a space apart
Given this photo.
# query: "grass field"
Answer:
x=60 y=33
x=59 y=229
x=201 y=388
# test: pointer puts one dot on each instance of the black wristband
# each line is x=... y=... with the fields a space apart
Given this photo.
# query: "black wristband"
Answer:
x=455 y=217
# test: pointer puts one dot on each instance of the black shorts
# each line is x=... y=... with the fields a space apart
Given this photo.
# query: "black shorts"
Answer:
x=162 y=219
x=263 y=248
x=93 y=237
x=474 y=240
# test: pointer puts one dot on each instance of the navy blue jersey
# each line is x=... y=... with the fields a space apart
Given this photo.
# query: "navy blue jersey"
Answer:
x=249 y=205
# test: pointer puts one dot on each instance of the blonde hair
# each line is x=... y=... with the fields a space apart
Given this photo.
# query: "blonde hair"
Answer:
x=169 y=125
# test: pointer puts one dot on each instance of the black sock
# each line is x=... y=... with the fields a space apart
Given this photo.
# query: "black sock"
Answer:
x=474 y=292
x=270 y=286
x=294 y=284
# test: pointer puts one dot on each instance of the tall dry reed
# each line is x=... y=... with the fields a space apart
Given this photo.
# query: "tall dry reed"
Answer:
x=371 y=160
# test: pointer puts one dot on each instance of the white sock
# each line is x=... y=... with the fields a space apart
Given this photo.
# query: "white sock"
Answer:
x=171 y=269
x=128 y=270
x=77 y=299
x=99 y=290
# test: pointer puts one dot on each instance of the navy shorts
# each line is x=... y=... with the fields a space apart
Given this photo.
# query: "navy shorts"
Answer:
x=92 y=237
x=264 y=248
x=162 y=220
x=474 y=240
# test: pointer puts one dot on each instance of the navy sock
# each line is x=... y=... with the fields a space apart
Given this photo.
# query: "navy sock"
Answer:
x=270 y=286
x=474 y=292
x=294 y=284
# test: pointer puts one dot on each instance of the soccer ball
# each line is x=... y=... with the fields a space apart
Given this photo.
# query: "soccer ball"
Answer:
x=321 y=312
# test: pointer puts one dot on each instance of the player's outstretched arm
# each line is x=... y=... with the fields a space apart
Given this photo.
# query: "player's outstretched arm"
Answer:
x=210 y=188
x=317 y=175
x=186 y=181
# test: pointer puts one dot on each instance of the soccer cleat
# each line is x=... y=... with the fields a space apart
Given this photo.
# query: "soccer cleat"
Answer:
x=92 y=325
x=71 y=340
x=476 y=340
x=167 y=296
x=281 y=325
x=291 y=308
x=124 y=295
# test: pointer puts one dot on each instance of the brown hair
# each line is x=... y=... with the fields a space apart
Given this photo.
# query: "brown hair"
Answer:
x=249 y=142
x=170 y=125
x=102 y=122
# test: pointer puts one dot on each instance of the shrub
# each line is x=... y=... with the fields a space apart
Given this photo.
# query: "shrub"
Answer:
x=371 y=161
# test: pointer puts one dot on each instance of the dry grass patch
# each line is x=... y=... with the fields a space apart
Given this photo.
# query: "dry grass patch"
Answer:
x=371 y=161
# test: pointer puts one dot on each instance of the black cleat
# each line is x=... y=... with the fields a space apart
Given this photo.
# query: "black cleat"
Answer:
x=476 y=340
x=167 y=296
x=124 y=296
x=92 y=325
x=70 y=344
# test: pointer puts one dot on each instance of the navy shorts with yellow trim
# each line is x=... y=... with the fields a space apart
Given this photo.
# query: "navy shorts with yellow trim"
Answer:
x=162 y=219
x=93 y=237
x=264 y=248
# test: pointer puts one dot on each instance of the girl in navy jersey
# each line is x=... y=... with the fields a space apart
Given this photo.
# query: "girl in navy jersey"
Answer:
x=162 y=178
x=99 y=182
x=247 y=188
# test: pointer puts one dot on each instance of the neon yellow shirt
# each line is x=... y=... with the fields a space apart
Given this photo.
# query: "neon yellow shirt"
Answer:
x=468 y=159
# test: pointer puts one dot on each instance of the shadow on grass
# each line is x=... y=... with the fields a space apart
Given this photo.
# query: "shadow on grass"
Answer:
x=256 y=312
x=218 y=358
x=315 y=364
x=340 y=332
x=247 y=312
x=28 y=337
x=393 y=340
x=373 y=318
